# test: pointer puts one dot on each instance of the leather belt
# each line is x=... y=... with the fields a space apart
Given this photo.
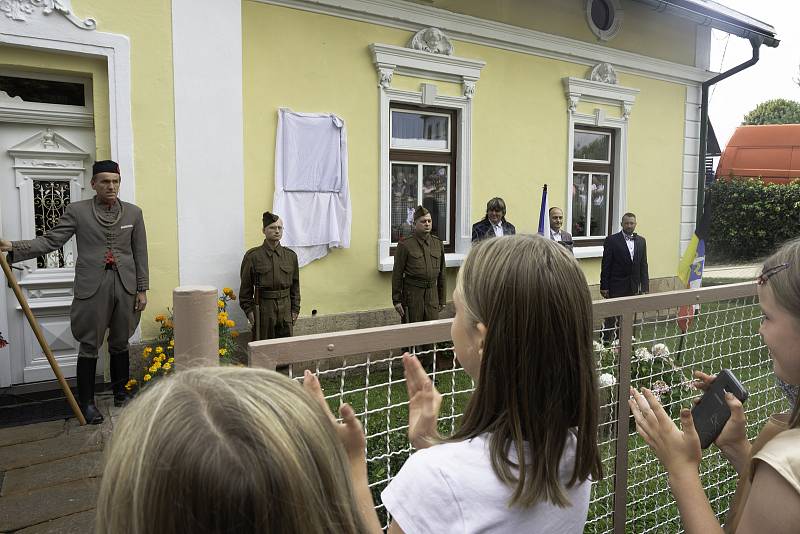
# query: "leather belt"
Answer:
x=274 y=294
x=420 y=282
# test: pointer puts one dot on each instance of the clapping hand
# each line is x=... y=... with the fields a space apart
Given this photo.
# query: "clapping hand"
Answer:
x=424 y=402
x=350 y=432
x=678 y=450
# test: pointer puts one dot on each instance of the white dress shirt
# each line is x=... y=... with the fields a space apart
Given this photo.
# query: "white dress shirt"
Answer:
x=498 y=229
x=555 y=235
x=629 y=242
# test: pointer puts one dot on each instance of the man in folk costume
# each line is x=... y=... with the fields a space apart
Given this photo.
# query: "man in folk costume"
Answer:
x=111 y=278
x=273 y=271
x=418 y=277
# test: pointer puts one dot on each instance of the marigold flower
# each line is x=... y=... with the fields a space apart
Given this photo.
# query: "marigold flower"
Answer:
x=159 y=350
x=129 y=385
x=234 y=334
x=229 y=323
x=146 y=378
x=220 y=304
x=148 y=350
x=227 y=291
x=169 y=324
x=222 y=315
x=160 y=318
x=171 y=360
x=171 y=342
x=167 y=366
x=223 y=352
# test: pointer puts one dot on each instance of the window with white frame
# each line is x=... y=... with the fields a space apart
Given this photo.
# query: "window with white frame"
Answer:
x=593 y=183
x=422 y=161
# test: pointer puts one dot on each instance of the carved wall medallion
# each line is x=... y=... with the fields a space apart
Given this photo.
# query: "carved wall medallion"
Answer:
x=20 y=10
x=431 y=40
x=603 y=72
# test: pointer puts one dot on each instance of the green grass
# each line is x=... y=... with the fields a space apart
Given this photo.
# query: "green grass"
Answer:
x=723 y=336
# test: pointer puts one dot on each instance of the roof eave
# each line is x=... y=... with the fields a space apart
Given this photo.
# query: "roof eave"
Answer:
x=707 y=14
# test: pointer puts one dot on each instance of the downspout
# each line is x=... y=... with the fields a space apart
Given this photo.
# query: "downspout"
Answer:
x=755 y=41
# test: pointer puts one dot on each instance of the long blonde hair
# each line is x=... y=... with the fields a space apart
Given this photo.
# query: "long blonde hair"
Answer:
x=786 y=290
x=537 y=376
x=226 y=449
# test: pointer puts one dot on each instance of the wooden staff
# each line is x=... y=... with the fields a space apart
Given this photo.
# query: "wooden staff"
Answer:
x=40 y=337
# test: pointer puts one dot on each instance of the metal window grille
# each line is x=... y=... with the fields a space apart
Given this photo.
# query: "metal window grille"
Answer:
x=364 y=368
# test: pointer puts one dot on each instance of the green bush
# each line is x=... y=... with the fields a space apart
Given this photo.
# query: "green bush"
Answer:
x=750 y=218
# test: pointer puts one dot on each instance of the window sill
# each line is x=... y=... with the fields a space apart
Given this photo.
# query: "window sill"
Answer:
x=450 y=260
x=588 y=252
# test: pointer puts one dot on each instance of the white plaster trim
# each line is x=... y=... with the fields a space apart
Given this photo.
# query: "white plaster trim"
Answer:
x=577 y=90
x=418 y=63
x=209 y=145
x=20 y=10
x=691 y=149
x=462 y=233
x=57 y=34
x=588 y=252
x=412 y=17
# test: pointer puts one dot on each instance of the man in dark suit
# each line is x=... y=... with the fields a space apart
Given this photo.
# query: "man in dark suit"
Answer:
x=494 y=224
x=111 y=278
x=556 y=233
x=624 y=269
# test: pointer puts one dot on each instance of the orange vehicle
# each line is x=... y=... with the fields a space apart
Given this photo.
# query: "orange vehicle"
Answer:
x=770 y=152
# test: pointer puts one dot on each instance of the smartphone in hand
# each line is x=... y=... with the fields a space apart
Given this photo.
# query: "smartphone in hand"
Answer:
x=712 y=412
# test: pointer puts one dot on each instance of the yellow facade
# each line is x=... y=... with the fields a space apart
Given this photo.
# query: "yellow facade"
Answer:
x=519 y=139
x=320 y=63
x=148 y=27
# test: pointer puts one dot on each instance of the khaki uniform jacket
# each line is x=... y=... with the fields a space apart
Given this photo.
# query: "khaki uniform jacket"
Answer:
x=127 y=239
x=418 y=277
x=277 y=271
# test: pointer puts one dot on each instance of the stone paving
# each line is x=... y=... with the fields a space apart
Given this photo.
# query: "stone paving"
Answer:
x=50 y=474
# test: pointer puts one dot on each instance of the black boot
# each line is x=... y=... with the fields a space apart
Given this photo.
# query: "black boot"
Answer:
x=86 y=370
x=120 y=374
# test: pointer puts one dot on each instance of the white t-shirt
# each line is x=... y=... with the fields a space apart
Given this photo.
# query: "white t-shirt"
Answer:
x=451 y=488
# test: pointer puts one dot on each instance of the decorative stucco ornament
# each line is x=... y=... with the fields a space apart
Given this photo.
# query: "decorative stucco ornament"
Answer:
x=20 y=10
x=603 y=72
x=431 y=40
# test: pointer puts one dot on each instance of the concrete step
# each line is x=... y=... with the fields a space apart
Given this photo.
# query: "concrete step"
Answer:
x=42 y=475
x=31 y=508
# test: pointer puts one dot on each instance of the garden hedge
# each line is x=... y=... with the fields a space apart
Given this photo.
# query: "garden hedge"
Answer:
x=751 y=218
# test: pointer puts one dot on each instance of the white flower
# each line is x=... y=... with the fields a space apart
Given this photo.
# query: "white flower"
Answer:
x=598 y=347
x=606 y=380
x=660 y=350
x=643 y=355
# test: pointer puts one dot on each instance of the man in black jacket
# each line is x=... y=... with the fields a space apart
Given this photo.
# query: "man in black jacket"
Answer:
x=494 y=224
x=624 y=269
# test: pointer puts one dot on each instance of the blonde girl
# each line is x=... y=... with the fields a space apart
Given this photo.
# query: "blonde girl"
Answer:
x=526 y=449
x=768 y=497
x=233 y=450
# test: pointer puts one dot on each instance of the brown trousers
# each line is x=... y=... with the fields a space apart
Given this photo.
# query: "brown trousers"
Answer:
x=110 y=308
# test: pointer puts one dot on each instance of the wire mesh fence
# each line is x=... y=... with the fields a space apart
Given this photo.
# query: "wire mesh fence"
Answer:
x=644 y=347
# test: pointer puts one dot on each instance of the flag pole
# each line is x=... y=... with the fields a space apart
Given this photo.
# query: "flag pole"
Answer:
x=37 y=331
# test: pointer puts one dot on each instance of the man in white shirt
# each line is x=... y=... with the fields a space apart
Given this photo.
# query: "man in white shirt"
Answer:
x=624 y=269
x=556 y=233
x=494 y=224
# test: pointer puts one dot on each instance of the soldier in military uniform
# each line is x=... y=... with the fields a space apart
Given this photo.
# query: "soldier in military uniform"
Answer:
x=111 y=278
x=418 y=278
x=272 y=271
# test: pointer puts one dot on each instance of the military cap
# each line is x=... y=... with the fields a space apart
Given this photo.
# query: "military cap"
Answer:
x=420 y=212
x=268 y=218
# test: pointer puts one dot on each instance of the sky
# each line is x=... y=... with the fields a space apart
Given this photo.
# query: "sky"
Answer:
x=772 y=77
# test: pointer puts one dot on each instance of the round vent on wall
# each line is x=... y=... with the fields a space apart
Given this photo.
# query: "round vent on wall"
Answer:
x=604 y=18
